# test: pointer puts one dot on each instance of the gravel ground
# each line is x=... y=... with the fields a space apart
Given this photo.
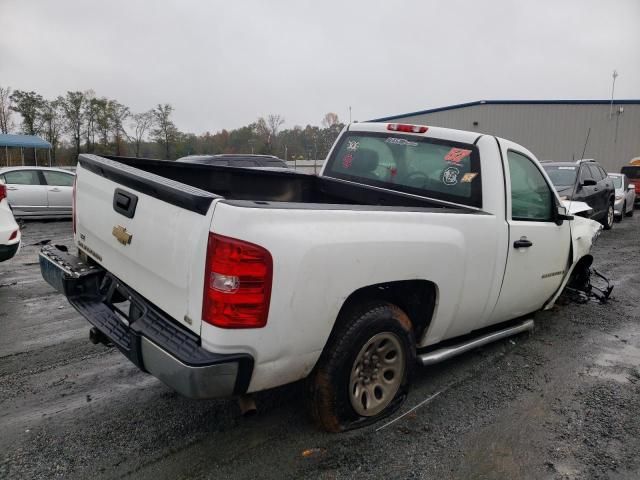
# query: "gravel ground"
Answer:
x=560 y=403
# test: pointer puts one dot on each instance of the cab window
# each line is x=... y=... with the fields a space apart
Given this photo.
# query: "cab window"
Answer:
x=531 y=197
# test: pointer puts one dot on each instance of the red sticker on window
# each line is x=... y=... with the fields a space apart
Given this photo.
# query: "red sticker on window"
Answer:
x=456 y=155
x=347 y=160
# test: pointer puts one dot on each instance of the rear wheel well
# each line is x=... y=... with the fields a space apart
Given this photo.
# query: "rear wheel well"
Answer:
x=417 y=298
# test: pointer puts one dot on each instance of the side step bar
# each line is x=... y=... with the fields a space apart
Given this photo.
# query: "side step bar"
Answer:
x=446 y=353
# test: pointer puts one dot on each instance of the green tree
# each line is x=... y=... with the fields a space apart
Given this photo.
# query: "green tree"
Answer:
x=30 y=106
x=73 y=104
x=6 y=104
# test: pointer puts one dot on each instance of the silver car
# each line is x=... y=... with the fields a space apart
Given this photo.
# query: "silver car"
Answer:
x=625 y=195
x=38 y=192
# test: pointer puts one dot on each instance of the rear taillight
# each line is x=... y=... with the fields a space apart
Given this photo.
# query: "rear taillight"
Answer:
x=401 y=127
x=237 y=283
x=14 y=235
x=3 y=191
x=73 y=204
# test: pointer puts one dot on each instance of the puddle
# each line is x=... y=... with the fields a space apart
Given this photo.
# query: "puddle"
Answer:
x=619 y=359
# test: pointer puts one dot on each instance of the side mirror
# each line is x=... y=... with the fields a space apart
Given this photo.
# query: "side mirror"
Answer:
x=561 y=215
x=589 y=182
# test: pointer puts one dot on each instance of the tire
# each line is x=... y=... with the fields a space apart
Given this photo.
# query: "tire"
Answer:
x=607 y=221
x=349 y=369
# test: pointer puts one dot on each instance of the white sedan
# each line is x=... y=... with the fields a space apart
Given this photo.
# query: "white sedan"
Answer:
x=38 y=191
x=9 y=231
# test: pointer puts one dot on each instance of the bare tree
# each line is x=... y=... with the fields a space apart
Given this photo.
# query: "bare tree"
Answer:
x=330 y=119
x=274 y=123
x=142 y=123
x=5 y=110
x=73 y=104
x=119 y=113
x=165 y=132
x=54 y=118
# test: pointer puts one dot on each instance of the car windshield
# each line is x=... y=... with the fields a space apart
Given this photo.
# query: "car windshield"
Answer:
x=561 y=176
x=427 y=167
x=617 y=181
x=631 y=172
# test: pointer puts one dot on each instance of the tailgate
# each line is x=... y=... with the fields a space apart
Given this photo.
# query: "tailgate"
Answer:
x=149 y=231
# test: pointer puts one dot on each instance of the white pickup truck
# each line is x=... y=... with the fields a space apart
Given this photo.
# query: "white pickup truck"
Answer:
x=414 y=244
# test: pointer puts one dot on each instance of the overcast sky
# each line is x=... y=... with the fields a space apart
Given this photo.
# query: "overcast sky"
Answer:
x=222 y=64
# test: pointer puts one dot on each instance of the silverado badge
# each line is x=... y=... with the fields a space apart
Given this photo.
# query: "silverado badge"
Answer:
x=122 y=235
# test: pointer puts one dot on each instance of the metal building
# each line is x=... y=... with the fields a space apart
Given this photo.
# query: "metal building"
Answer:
x=551 y=129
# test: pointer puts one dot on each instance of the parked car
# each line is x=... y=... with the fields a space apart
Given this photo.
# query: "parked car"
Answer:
x=625 y=195
x=9 y=230
x=38 y=192
x=413 y=245
x=632 y=172
x=241 y=160
x=585 y=181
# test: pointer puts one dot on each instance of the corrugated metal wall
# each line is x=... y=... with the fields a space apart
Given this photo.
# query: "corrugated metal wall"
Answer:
x=552 y=131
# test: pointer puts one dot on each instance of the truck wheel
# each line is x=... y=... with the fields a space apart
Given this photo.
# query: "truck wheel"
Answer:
x=364 y=372
x=608 y=220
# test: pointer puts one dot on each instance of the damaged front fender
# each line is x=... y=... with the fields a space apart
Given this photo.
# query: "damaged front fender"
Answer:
x=584 y=234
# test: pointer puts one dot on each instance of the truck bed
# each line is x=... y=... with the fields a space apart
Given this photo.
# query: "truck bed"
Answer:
x=170 y=181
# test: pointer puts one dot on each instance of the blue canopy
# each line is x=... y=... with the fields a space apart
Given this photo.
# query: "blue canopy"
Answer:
x=24 y=141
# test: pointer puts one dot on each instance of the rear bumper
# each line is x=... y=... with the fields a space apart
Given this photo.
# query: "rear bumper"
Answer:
x=8 y=251
x=144 y=334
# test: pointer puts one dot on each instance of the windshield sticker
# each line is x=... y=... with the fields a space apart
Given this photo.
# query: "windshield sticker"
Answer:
x=566 y=168
x=450 y=176
x=347 y=160
x=468 y=177
x=401 y=141
x=352 y=145
x=456 y=155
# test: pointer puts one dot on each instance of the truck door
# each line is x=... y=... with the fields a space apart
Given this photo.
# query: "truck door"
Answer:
x=538 y=248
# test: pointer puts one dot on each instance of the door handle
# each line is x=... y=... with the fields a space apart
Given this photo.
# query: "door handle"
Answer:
x=522 y=243
x=54 y=190
x=12 y=188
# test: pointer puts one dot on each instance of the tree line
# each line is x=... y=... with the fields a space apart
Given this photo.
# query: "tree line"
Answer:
x=82 y=122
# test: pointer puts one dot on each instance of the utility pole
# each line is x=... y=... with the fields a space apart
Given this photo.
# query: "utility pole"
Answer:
x=613 y=87
x=349 y=113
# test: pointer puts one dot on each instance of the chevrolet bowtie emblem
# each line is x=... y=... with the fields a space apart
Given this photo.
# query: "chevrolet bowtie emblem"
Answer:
x=122 y=235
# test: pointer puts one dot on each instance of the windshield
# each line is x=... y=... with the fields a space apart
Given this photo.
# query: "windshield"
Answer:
x=617 y=181
x=631 y=172
x=561 y=176
x=423 y=166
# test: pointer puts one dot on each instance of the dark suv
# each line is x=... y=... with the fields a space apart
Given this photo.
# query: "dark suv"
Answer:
x=584 y=181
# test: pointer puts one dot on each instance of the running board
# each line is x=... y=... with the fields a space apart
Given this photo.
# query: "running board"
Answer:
x=446 y=353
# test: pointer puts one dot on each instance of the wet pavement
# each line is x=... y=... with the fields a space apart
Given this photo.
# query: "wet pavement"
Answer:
x=560 y=403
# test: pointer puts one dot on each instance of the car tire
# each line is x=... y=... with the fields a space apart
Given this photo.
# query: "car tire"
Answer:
x=607 y=222
x=365 y=370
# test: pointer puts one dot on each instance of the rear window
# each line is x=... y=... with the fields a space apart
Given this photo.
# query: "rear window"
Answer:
x=427 y=167
x=631 y=172
x=561 y=176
